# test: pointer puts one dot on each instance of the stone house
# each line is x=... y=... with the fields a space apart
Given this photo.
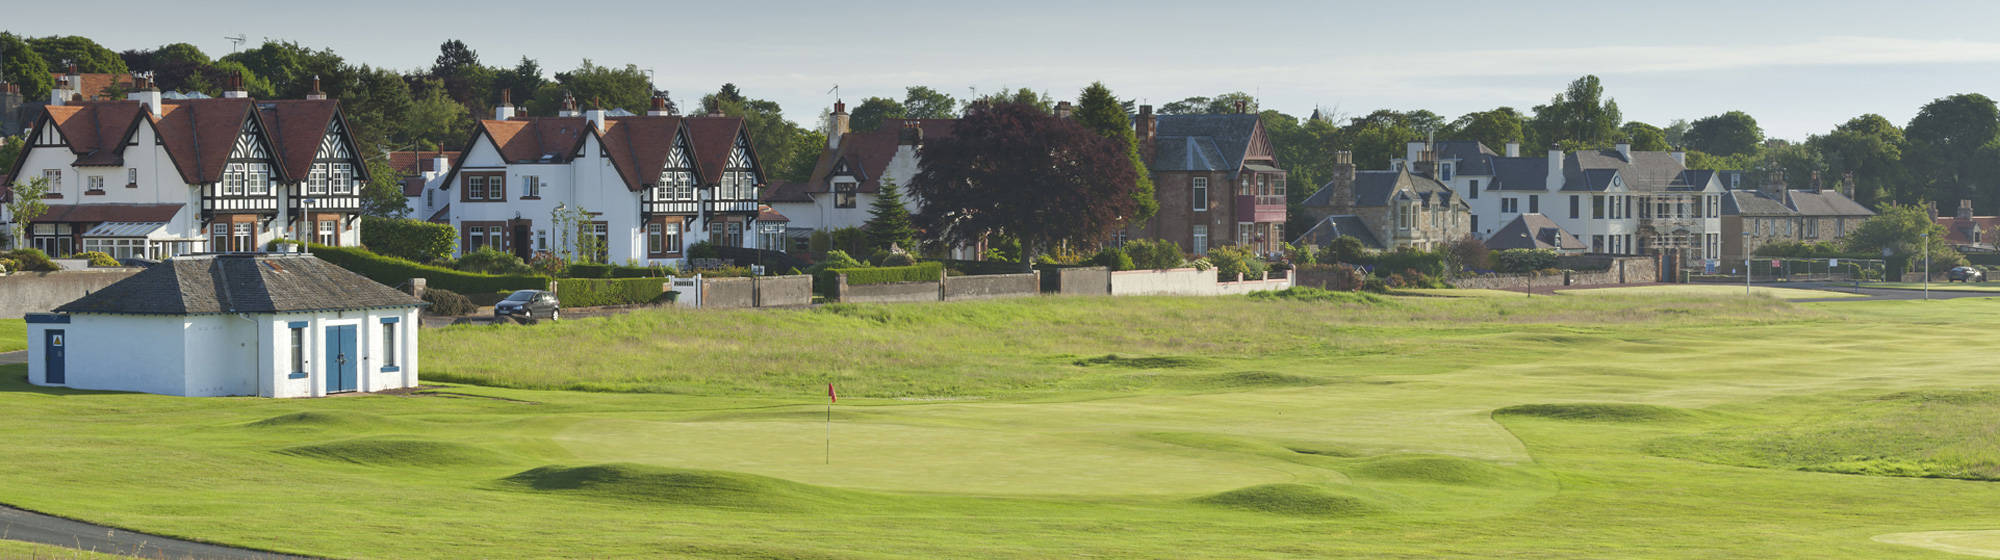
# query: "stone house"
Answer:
x=1405 y=207
x=1216 y=178
x=1969 y=232
x=1752 y=218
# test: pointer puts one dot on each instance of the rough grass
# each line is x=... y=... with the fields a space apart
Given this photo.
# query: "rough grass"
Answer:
x=1925 y=434
x=13 y=335
x=1295 y=500
x=660 y=485
x=397 y=452
x=1597 y=412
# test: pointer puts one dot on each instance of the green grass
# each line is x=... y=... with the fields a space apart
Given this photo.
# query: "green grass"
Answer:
x=15 y=550
x=13 y=335
x=1941 y=286
x=1400 y=427
x=1717 y=290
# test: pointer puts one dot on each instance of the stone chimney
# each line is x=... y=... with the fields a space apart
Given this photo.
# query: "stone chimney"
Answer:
x=1242 y=107
x=316 y=93
x=836 y=125
x=1555 y=176
x=568 y=106
x=1816 y=187
x=1513 y=149
x=1144 y=124
x=1062 y=109
x=659 y=108
x=1624 y=148
x=911 y=135
x=1847 y=184
x=1965 y=209
x=1426 y=163
x=1342 y=184
x=144 y=93
x=505 y=110
x=1933 y=210
x=235 y=90
x=1774 y=184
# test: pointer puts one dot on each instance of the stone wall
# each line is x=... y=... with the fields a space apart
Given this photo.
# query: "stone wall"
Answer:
x=784 y=291
x=892 y=292
x=1186 y=282
x=22 y=293
x=991 y=286
x=728 y=293
x=1088 y=281
x=1619 y=270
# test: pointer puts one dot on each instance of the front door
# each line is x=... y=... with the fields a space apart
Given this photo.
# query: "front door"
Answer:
x=522 y=247
x=53 y=354
x=341 y=360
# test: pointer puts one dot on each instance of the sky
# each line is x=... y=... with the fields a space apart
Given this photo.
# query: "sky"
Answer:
x=1800 y=68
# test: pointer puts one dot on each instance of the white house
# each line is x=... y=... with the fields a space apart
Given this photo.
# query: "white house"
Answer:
x=423 y=172
x=156 y=177
x=1617 y=201
x=653 y=185
x=852 y=170
x=265 y=324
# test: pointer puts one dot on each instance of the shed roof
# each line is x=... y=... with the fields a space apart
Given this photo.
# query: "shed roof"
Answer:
x=240 y=283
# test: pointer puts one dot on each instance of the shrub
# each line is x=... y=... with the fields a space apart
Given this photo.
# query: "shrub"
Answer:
x=282 y=245
x=922 y=272
x=899 y=259
x=1468 y=253
x=721 y=272
x=1337 y=277
x=1428 y=263
x=704 y=250
x=1347 y=249
x=1523 y=260
x=32 y=260
x=488 y=260
x=823 y=272
x=1113 y=258
x=447 y=302
x=1155 y=254
x=1301 y=254
x=8 y=265
x=654 y=271
x=97 y=258
x=547 y=264
x=407 y=239
x=1233 y=260
x=396 y=272
x=589 y=270
x=592 y=292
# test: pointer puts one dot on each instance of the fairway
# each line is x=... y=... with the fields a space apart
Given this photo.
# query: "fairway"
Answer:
x=1662 y=424
x=1718 y=290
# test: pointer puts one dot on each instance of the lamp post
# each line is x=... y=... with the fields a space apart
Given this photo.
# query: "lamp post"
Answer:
x=1529 y=278
x=1927 y=265
x=1746 y=262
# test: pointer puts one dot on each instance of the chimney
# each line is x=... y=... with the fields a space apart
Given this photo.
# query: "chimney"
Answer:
x=1062 y=109
x=568 y=106
x=1965 y=209
x=1815 y=181
x=659 y=108
x=505 y=110
x=836 y=125
x=235 y=90
x=1426 y=163
x=439 y=163
x=1624 y=149
x=1680 y=156
x=1513 y=149
x=595 y=114
x=316 y=93
x=1774 y=184
x=911 y=135
x=1242 y=107
x=144 y=93
x=1847 y=184
x=1144 y=124
x=1413 y=151
x=1342 y=182
x=1933 y=210
x=1555 y=176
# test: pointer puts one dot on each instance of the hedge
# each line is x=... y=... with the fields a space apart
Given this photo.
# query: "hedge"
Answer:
x=407 y=239
x=395 y=272
x=920 y=272
x=592 y=292
x=590 y=270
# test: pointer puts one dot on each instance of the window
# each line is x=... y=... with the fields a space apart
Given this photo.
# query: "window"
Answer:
x=541 y=240
x=1510 y=205
x=771 y=236
x=1444 y=172
x=343 y=179
x=258 y=177
x=1201 y=239
x=1475 y=223
x=1200 y=194
x=1596 y=243
x=298 y=349
x=96 y=182
x=117 y=247
x=843 y=195
x=1243 y=186
x=1534 y=203
x=1263 y=185
x=55 y=179
x=328 y=233
x=487 y=187
x=218 y=238
x=531 y=186
x=1472 y=188
x=316 y=180
x=673 y=238
x=1243 y=235
x=131 y=177
x=1574 y=203
x=475 y=238
x=389 y=346
x=1278 y=186
x=475 y=188
x=1596 y=207
x=241 y=238
x=54 y=239
x=599 y=232
x=232 y=180
x=656 y=241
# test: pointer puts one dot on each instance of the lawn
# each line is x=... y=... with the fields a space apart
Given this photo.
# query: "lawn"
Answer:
x=1718 y=290
x=13 y=335
x=1666 y=425
x=1948 y=286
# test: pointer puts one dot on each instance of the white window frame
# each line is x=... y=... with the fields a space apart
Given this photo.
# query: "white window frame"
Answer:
x=131 y=177
x=96 y=182
x=531 y=186
x=1200 y=244
x=1198 y=194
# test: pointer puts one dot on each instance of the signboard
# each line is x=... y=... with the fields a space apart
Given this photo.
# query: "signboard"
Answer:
x=1775 y=263
x=1830 y=263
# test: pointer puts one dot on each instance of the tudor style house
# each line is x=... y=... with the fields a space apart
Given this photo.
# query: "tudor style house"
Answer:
x=1405 y=207
x=1618 y=201
x=651 y=185
x=1216 y=178
x=851 y=172
x=1773 y=213
x=152 y=177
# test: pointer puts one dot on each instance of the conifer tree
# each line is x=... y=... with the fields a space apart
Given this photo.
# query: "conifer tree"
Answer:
x=889 y=221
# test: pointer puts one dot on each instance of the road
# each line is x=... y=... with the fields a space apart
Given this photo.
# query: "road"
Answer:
x=1878 y=294
x=23 y=525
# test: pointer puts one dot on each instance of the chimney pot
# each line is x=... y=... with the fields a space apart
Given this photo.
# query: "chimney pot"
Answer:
x=1062 y=109
x=1965 y=209
x=73 y=71
x=1242 y=107
x=1513 y=149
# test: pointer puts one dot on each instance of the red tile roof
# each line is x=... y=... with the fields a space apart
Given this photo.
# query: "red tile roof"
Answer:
x=766 y=214
x=528 y=140
x=870 y=152
x=788 y=192
x=413 y=186
x=296 y=127
x=415 y=162
x=110 y=213
x=200 y=133
x=639 y=147
x=96 y=131
x=1959 y=232
x=94 y=84
x=714 y=139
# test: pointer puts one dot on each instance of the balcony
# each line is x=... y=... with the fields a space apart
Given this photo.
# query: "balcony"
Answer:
x=731 y=205
x=1260 y=208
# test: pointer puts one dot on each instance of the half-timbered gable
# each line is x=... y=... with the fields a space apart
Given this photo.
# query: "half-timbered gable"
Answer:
x=674 y=193
x=246 y=183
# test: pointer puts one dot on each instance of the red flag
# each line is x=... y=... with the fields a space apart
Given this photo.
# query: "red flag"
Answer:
x=830 y=396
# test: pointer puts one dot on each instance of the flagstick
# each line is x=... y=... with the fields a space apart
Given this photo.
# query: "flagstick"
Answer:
x=829 y=433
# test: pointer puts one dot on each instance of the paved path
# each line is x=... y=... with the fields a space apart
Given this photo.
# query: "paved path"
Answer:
x=1878 y=294
x=23 y=525
x=15 y=357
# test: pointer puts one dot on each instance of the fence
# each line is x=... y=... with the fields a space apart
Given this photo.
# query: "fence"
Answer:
x=1765 y=269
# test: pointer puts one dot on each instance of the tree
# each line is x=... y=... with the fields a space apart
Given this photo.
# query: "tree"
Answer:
x=921 y=102
x=1953 y=143
x=1012 y=170
x=383 y=195
x=1578 y=118
x=1098 y=110
x=1676 y=132
x=1023 y=96
x=453 y=58
x=1220 y=104
x=1494 y=128
x=434 y=119
x=1189 y=106
x=89 y=57
x=173 y=66
x=603 y=87
x=521 y=82
x=1904 y=230
x=216 y=76
x=25 y=204
x=1727 y=134
x=1645 y=137
x=1870 y=147
x=889 y=221
x=872 y=111
x=377 y=105
x=10 y=149
x=800 y=158
x=1379 y=137
x=23 y=67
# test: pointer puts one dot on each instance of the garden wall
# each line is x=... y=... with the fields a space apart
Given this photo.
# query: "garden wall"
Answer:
x=1186 y=282
x=728 y=293
x=887 y=292
x=1089 y=281
x=1618 y=270
x=779 y=291
x=990 y=286
x=22 y=293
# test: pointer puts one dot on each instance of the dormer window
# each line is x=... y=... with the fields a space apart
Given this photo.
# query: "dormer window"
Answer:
x=1444 y=172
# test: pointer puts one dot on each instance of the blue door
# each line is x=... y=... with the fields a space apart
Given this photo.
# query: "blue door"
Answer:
x=341 y=360
x=53 y=354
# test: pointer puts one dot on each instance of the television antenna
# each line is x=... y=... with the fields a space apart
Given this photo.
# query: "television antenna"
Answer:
x=235 y=41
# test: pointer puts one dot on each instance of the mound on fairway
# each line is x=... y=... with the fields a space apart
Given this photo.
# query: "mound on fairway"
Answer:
x=1597 y=412
x=690 y=487
x=1142 y=362
x=1294 y=499
x=1924 y=434
x=321 y=420
x=1440 y=469
x=397 y=452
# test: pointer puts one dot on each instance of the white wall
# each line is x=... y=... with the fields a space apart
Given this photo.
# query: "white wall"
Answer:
x=222 y=355
x=590 y=181
x=115 y=353
x=159 y=181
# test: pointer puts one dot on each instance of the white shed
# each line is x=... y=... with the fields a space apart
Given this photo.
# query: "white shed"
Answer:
x=266 y=324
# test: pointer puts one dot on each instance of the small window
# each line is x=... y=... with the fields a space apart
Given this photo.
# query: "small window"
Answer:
x=673 y=237
x=1472 y=188
x=1575 y=204
x=1597 y=208
x=389 y=345
x=298 y=350
x=1534 y=203
x=844 y=195
x=96 y=182
x=531 y=186
x=1199 y=196
x=131 y=177
x=1444 y=172
x=1201 y=239
x=656 y=238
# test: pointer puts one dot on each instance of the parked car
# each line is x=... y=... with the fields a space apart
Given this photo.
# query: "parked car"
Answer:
x=1965 y=274
x=529 y=304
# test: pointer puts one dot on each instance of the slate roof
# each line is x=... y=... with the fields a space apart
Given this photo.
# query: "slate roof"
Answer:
x=1590 y=170
x=1810 y=202
x=1540 y=233
x=868 y=153
x=240 y=283
x=1753 y=203
x=1332 y=227
x=1520 y=174
x=1473 y=157
x=1209 y=142
x=1374 y=188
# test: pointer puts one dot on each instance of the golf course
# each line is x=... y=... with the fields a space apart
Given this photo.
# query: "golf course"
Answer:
x=1644 y=423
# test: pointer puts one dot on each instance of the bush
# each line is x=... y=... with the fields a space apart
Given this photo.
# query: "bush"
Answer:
x=97 y=258
x=396 y=272
x=704 y=250
x=898 y=259
x=8 y=265
x=1337 y=277
x=655 y=271
x=1346 y=249
x=592 y=292
x=1155 y=254
x=823 y=272
x=1523 y=260
x=447 y=302
x=407 y=239
x=1234 y=260
x=922 y=272
x=1404 y=260
x=1113 y=258
x=1469 y=253
x=282 y=245
x=488 y=260
x=549 y=265
x=1301 y=254
x=589 y=270
x=32 y=260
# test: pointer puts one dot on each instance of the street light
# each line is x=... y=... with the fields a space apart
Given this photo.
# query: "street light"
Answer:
x=1529 y=278
x=1746 y=262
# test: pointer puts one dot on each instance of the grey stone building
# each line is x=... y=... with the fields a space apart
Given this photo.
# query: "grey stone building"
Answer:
x=1406 y=207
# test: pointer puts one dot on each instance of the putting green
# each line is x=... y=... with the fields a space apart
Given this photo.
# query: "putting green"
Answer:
x=1707 y=290
x=1984 y=544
